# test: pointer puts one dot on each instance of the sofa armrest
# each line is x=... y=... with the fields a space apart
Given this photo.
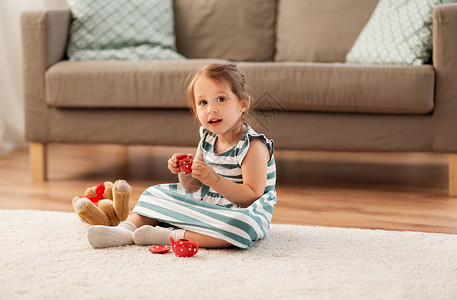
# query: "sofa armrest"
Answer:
x=444 y=37
x=445 y=65
x=46 y=31
x=44 y=38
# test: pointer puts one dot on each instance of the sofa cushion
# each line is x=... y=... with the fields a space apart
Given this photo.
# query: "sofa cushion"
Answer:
x=398 y=32
x=339 y=87
x=274 y=86
x=122 y=29
x=319 y=30
x=120 y=84
x=236 y=30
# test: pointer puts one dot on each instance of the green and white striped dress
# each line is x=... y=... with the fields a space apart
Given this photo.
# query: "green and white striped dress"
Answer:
x=207 y=212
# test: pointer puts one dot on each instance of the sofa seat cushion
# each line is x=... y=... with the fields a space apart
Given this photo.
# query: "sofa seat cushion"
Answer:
x=338 y=87
x=287 y=86
x=120 y=84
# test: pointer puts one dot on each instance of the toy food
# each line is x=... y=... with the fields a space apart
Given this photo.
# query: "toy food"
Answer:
x=106 y=204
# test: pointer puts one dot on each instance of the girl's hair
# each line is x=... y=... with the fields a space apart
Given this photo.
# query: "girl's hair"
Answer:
x=227 y=73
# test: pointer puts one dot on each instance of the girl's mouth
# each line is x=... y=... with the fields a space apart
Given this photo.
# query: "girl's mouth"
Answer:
x=215 y=122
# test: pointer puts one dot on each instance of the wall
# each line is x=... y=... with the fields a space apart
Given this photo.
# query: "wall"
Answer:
x=11 y=100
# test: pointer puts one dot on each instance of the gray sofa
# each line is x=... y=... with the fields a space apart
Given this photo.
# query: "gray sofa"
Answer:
x=305 y=96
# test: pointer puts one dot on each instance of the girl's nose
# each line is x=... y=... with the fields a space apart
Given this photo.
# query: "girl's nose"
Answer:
x=212 y=109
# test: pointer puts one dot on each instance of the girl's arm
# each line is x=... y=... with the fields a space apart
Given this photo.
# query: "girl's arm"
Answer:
x=253 y=168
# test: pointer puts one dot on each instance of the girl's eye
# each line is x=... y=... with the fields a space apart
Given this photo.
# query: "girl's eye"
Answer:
x=220 y=99
x=202 y=102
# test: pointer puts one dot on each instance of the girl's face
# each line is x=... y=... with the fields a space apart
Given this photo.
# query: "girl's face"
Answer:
x=218 y=109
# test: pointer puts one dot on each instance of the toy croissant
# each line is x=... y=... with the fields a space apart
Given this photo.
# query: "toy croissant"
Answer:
x=106 y=204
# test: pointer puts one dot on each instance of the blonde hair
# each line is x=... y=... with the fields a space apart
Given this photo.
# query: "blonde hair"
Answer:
x=227 y=73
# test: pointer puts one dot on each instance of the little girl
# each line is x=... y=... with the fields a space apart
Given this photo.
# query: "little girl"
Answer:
x=228 y=197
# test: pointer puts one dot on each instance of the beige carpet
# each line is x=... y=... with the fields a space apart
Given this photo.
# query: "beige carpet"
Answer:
x=45 y=255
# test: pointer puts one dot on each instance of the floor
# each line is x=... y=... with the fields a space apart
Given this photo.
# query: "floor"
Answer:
x=392 y=191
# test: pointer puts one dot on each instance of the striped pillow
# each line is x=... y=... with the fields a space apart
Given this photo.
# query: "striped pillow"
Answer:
x=398 y=32
x=122 y=29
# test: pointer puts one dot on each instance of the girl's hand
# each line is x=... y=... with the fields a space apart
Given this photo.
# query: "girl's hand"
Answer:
x=173 y=163
x=204 y=173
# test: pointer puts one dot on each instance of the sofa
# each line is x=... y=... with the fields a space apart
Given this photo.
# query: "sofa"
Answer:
x=306 y=97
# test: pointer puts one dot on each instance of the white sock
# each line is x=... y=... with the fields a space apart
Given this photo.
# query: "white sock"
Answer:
x=108 y=236
x=149 y=235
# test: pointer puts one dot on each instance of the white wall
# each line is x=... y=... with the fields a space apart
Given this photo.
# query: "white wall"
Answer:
x=11 y=100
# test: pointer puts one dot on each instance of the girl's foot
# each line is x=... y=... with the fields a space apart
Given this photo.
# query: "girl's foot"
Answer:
x=110 y=236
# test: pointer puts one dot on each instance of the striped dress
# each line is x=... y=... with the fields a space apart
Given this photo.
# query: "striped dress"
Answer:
x=205 y=211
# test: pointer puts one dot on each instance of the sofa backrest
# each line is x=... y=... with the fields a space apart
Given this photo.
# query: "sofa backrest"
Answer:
x=266 y=30
x=239 y=30
x=319 y=30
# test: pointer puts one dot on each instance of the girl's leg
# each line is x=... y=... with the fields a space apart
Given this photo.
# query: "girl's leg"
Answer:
x=120 y=235
x=205 y=241
x=150 y=234
x=117 y=236
x=140 y=220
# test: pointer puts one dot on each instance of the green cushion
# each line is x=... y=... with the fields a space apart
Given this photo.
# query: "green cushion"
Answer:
x=398 y=32
x=122 y=29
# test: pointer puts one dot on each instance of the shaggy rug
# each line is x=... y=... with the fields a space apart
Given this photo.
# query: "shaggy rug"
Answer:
x=45 y=255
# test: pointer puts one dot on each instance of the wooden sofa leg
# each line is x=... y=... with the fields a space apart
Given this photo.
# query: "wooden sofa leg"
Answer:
x=38 y=161
x=452 y=174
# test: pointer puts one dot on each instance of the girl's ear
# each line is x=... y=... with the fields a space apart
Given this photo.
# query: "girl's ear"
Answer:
x=245 y=103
